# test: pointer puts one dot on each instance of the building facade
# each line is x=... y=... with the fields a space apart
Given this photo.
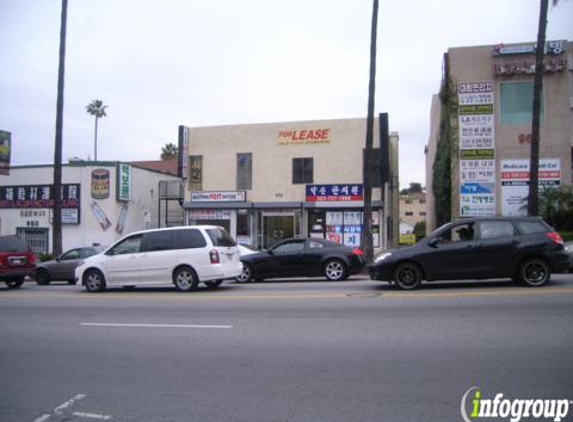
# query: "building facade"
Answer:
x=483 y=115
x=101 y=201
x=267 y=182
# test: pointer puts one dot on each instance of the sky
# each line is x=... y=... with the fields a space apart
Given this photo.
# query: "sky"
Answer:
x=159 y=64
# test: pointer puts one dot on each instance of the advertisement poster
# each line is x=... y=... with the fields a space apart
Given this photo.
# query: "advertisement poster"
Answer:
x=334 y=218
x=122 y=218
x=477 y=149
x=100 y=216
x=515 y=182
x=332 y=193
x=5 y=152
x=100 y=183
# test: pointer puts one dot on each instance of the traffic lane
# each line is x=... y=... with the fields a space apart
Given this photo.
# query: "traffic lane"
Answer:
x=340 y=359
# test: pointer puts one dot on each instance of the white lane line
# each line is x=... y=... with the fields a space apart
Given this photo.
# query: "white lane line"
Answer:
x=43 y=418
x=120 y=325
x=92 y=416
x=58 y=410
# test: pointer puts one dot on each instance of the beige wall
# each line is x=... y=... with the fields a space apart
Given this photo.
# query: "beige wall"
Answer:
x=415 y=204
x=336 y=161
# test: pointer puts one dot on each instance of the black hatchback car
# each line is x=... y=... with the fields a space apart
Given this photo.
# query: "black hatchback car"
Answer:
x=525 y=249
x=300 y=257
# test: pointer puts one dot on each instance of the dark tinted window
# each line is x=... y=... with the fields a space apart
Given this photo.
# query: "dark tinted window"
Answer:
x=73 y=254
x=130 y=245
x=159 y=241
x=294 y=246
x=220 y=237
x=459 y=233
x=190 y=239
x=529 y=227
x=87 y=252
x=12 y=244
x=244 y=171
x=492 y=229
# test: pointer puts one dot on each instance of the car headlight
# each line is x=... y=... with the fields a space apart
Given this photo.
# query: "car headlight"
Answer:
x=382 y=257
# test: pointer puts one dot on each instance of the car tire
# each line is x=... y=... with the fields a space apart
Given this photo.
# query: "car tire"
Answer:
x=407 y=276
x=534 y=272
x=246 y=275
x=213 y=284
x=14 y=284
x=335 y=270
x=185 y=279
x=94 y=281
x=42 y=278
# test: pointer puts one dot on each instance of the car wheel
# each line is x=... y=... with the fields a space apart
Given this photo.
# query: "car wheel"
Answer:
x=534 y=272
x=42 y=278
x=335 y=270
x=407 y=276
x=94 y=281
x=213 y=284
x=185 y=279
x=15 y=284
x=246 y=275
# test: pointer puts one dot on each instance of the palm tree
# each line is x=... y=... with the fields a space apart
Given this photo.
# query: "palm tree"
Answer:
x=97 y=109
x=57 y=217
x=169 y=151
x=367 y=160
x=533 y=197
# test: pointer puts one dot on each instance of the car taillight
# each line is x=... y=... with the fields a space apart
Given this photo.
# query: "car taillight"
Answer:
x=214 y=256
x=555 y=236
x=357 y=251
x=34 y=258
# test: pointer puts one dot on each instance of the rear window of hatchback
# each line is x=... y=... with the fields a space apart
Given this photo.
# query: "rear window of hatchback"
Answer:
x=220 y=237
x=12 y=244
x=532 y=227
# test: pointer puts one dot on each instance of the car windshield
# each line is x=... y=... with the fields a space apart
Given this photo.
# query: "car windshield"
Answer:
x=220 y=237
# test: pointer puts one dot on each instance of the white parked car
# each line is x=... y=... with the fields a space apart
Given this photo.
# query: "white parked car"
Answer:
x=183 y=256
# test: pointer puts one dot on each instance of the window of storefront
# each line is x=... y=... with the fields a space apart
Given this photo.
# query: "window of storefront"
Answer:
x=37 y=239
x=244 y=227
x=516 y=103
x=341 y=226
x=244 y=171
x=302 y=170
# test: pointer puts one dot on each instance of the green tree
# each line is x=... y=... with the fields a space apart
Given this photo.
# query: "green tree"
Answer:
x=556 y=207
x=533 y=196
x=96 y=109
x=367 y=243
x=420 y=229
x=57 y=217
x=169 y=151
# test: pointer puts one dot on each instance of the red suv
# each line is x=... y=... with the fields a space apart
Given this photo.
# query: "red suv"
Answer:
x=16 y=261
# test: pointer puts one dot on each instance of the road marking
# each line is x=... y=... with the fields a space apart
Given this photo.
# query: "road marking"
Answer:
x=43 y=418
x=92 y=416
x=58 y=410
x=121 y=325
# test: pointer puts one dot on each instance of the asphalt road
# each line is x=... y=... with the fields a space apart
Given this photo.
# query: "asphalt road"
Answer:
x=281 y=351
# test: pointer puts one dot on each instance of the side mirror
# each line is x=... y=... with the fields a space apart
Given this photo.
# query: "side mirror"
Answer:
x=434 y=242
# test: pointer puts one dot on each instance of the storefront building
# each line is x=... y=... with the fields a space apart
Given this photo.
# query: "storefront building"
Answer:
x=101 y=201
x=487 y=96
x=267 y=182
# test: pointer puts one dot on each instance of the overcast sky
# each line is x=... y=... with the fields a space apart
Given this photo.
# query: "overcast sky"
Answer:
x=162 y=63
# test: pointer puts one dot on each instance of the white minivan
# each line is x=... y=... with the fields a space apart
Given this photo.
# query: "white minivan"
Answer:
x=183 y=256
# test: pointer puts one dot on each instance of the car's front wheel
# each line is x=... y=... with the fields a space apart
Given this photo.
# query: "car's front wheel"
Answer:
x=15 y=284
x=335 y=270
x=185 y=279
x=246 y=274
x=42 y=278
x=94 y=281
x=534 y=272
x=407 y=276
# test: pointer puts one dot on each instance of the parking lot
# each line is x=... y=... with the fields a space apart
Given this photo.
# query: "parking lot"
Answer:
x=297 y=350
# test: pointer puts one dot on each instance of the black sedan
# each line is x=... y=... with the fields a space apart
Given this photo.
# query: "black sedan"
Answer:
x=64 y=266
x=300 y=257
x=525 y=249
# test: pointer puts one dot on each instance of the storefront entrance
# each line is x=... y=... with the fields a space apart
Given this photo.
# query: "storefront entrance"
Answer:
x=276 y=227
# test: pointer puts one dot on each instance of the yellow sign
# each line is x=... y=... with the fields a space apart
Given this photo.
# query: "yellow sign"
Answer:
x=409 y=239
x=312 y=136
